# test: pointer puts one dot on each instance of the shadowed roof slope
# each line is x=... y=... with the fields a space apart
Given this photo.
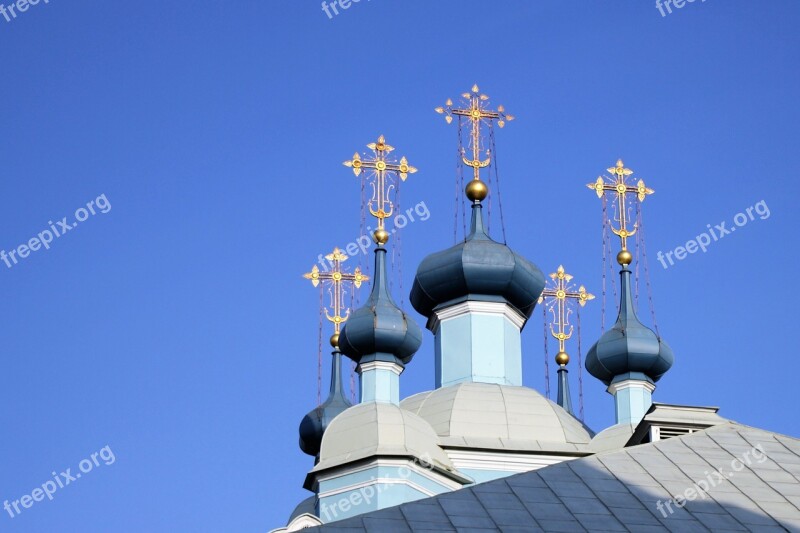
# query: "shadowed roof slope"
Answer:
x=619 y=491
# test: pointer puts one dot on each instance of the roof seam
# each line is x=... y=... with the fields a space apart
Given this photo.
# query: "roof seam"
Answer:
x=758 y=504
x=666 y=490
x=693 y=480
x=767 y=483
x=590 y=489
x=505 y=412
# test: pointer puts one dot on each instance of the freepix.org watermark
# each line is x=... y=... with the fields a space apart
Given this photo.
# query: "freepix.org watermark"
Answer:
x=364 y=495
x=364 y=242
x=10 y=11
x=700 y=488
x=46 y=237
x=719 y=231
x=661 y=5
x=59 y=481
x=332 y=8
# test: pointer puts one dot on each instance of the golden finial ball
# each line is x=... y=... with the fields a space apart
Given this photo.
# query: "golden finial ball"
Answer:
x=335 y=340
x=380 y=236
x=562 y=358
x=477 y=190
x=624 y=257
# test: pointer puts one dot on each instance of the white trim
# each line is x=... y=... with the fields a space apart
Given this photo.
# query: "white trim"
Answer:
x=478 y=308
x=377 y=481
x=655 y=431
x=427 y=473
x=505 y=462
x=302 y=521
x=380 y=365
x=631 y=384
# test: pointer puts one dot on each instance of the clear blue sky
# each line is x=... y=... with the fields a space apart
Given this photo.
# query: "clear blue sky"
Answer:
x=176 y=328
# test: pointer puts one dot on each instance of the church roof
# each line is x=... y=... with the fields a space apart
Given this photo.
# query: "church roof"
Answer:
x=621 y=491
x=488 y=415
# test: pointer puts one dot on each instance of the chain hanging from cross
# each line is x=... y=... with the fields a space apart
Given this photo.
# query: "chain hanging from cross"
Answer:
x=380 y=167
x=478 y=114
x=618 y=185
x=558 y=296
x=336 y=278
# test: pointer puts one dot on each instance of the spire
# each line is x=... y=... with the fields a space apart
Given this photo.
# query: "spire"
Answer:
x=559 y=297
x=379 y=336
x=477 y=229
x=564 y=398
x=629 y=358
x=335 y=280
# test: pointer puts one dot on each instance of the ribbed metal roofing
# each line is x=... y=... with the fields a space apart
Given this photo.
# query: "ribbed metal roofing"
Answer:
x=502 y=417
x=621 y=491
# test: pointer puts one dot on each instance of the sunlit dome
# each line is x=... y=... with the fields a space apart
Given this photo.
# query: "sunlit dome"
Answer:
x=498 y=417
x=376 y=428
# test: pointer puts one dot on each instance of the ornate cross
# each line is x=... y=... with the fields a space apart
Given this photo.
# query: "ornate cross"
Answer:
x=618 y=184
x=337 y=277
x=380 y=206
x=560 y=292
x=477 y=114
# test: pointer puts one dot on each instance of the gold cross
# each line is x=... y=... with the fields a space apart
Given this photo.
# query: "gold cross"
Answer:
x=618 y=184
x=477 y=114
x=560 y=292
x=337 y=277
x=380 y=206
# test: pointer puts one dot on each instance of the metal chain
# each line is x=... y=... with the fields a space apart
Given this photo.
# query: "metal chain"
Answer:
x=546 y=354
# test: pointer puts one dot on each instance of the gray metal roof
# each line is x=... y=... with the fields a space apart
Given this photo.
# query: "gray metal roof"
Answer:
x=619 y=491
x=373 y=429
x=503 y=417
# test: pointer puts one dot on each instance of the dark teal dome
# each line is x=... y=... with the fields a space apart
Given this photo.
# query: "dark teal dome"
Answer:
x=380 y=330
x=629 y=346
x=314 y=424
x=478 y=269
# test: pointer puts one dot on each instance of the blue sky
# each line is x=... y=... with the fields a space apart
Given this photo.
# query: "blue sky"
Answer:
x=176 y=328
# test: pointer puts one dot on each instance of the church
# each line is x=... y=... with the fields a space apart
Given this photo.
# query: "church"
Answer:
x=484 y=452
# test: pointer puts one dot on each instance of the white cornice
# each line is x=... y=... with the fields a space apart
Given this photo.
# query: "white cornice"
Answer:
x=478 y=308
x=395 y=463
x=506 y=462
x=381 y=365
x=631 y=384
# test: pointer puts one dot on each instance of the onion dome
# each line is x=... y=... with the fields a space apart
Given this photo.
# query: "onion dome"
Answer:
x=629 y=346
x=380 y=331
x=314 y=424
x=477 y=269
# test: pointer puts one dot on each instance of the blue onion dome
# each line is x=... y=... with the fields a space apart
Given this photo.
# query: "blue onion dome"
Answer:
x=380 y=331
x=477 y=269
x=314 y=424
x=629 y=346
